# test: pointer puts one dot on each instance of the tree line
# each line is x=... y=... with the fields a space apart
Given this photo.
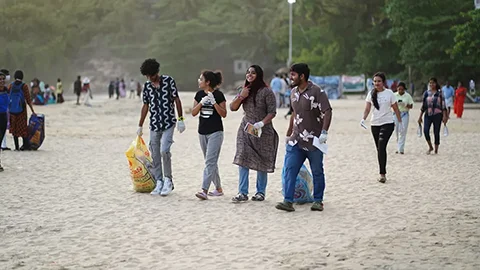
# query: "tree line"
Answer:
x=54 y=38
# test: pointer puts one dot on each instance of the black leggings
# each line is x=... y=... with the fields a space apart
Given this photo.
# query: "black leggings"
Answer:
x=3 y=125
x=436 y=120
x=381 y=135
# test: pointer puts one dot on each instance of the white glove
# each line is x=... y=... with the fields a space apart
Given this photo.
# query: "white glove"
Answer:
x=258 y=125
x=400 y=127
x=362 y=124
x=180 y=126
x=205 y=100
x=140 y=131
x=322 y=138
x=211 y=98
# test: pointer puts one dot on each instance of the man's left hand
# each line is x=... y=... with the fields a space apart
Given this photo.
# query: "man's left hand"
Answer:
x=180 y=126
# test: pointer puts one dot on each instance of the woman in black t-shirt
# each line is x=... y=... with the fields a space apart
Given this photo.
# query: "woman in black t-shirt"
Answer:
x=210 y=103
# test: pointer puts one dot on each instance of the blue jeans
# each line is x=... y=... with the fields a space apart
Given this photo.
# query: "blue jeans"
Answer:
x=243 y=184
x=294 y=159
x=160 y=143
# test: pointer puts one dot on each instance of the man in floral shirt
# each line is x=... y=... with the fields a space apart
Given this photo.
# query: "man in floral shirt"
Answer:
x=307 y=134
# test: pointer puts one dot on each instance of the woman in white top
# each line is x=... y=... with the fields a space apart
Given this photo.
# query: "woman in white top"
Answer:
x=382 y=124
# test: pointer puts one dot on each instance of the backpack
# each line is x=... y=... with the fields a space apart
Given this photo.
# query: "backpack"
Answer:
x=17 y=100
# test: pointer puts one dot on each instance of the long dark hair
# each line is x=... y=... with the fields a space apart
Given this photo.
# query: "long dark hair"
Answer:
x=374 y=91
x=257 y=84
x=437 y=85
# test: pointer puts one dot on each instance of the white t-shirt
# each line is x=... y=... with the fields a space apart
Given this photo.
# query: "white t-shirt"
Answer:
x=383 y=116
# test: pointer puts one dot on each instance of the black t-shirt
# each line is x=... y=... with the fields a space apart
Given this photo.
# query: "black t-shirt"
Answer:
x=210 y=120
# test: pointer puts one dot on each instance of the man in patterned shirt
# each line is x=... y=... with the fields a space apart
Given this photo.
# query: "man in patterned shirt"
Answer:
x=160 y=97
x=307 y=134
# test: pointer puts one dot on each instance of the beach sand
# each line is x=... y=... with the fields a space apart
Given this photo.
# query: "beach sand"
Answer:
x=70 y=205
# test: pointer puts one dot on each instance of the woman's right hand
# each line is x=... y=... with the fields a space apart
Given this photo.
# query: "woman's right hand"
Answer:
x=420 y=120
x=245 y=92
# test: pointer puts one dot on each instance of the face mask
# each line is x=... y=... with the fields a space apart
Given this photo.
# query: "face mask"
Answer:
x=7 y=78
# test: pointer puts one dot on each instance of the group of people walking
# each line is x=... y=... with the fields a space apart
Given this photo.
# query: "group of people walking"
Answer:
x=257 y=140
x=119 y=88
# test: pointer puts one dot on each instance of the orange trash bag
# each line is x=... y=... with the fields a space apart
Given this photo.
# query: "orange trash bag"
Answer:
x=141 y=166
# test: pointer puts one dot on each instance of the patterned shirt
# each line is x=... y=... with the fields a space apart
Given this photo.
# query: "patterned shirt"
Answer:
x=310 y=107
x=161 y=103
x=433 y=103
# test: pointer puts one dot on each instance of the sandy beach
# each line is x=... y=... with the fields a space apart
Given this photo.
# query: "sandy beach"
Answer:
x=70 y=205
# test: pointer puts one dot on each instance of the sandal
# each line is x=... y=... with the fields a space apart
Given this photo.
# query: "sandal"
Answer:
x=240 y=198
x=201 y=195
x=258 y=197
x=215 y=193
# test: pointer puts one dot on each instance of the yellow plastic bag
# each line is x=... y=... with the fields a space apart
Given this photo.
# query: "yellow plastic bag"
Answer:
x=141 y=166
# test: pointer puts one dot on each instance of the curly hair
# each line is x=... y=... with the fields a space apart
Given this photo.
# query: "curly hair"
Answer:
x=150 y=67
x=214 y=77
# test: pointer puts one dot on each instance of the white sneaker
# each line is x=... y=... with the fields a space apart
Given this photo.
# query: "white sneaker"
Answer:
x=158 y=188
x=167 y=187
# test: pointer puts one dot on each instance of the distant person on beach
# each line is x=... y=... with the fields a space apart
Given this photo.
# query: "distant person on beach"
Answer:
x=435 y=110
x=139 y=89
x=405 y=103
x=111 y=89
x=460 y=95
x=308 y=129
x=448 y=93
x=77 y=88
x=59 y=91
x=133 y=87
x=4 y=146
x=19 y=99
x=160 y=98
x=117 y=88
x=4 y=101
x=276 y=86
x=88 y=92
x=123 y=88
x=382 y=124
x=210 y=103
x=257 y=140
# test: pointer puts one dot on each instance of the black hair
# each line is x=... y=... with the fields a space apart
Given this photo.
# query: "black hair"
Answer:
x=437 y=85
x=18 y=75
x=2 y=74
x=58 y=80
x=213 y=77
x=5 y=71
x=257 y=84
x=78 y=77
x=150 y=67
x=301 y=68
x=374 y=91
x=403 y=85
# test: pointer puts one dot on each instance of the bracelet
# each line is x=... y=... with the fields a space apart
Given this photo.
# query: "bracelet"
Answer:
x=240 y=97
x=181 y=118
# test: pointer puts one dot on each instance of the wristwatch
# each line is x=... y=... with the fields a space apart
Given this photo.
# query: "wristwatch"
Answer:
x=181 y=118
